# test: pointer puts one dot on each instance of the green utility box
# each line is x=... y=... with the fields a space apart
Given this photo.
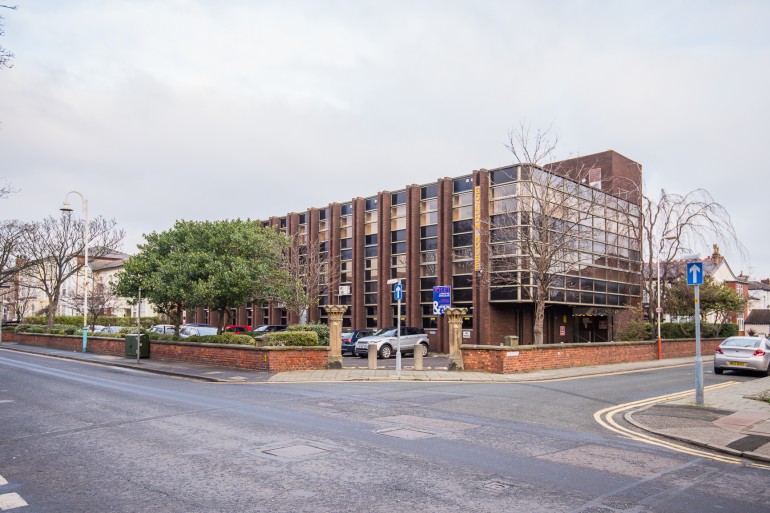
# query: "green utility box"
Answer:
x=131 y=343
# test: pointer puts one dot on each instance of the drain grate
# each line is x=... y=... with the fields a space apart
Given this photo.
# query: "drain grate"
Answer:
x=295 y=451
x=496 y=486
x=292 y=450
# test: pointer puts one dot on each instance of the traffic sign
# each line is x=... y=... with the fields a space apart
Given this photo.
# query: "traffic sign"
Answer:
x=659 y=309
x=398 y=292
x=694 y=273
x=442 y=299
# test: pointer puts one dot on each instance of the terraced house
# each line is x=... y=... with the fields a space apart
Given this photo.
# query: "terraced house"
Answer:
x=486 y=235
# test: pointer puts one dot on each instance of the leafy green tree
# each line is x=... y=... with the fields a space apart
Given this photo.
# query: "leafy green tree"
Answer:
x=717 y=301
x=214 y=264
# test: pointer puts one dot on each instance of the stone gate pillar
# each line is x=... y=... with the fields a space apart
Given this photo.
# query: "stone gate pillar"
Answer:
x=455 y=318
x=335 y=313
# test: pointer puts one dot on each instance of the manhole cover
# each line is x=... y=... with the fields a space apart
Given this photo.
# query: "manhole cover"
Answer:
x=406 y=434
x=294 y=452
x=496 y=485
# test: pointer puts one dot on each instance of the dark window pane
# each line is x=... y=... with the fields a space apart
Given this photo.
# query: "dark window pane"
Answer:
x=465 y=225
x=370 y=299
x=370 y=240
x=429 y=191
x=426 y=296
x=371 y=204
x=503 y=175
x=370 y=286
x=398 y=236
x=346 y=243
x=465 y=239
x=370 y=251
x=462 y=281
x=428 y=283
x=429 y=231
x=346 y=209
x=428 y=244
x=398 y=248
x=398 y=198
x=346 y=254
x=463 y=184
x=504 y=294
x=462 y=295
x=302 y=219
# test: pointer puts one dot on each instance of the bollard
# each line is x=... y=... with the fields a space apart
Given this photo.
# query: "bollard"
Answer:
x=418 y=357
x=372 y=356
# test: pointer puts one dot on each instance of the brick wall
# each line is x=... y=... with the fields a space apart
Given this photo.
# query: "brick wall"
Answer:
x=510 y=360
x=277 y=359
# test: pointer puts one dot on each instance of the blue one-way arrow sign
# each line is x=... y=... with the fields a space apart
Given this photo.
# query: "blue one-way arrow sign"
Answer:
x=397 y=292
x=695 y=273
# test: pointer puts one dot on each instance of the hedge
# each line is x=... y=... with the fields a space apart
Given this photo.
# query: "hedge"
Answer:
x=322 y=330
x=291 y=338
x=104 y=320
x=640 y=330
x=224 y=338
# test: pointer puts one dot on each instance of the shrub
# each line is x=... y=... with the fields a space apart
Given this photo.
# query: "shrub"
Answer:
x=322 y=330
x=292 y=338
x=729 y=330
x=225 y=338
x=636 y=330
x=35 y=329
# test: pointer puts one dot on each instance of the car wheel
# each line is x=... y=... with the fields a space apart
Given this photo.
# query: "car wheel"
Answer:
x=385 y=351
x=718 y=370
x=424 y=349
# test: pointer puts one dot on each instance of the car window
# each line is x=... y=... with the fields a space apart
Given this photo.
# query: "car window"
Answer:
x=741 y=342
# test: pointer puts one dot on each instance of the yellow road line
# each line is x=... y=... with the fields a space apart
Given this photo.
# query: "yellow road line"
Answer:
x=605 y=418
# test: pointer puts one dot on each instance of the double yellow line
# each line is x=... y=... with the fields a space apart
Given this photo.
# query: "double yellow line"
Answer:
x=606 y=419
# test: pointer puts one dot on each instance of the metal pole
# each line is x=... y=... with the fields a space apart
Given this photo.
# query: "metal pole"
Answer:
x=398 y=336
x=660 y=345
x=85 y=294
x=139 y=325
x=698 y=360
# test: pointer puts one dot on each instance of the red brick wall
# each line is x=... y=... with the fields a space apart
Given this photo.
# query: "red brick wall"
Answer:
x=279 y=359
x=508 y=360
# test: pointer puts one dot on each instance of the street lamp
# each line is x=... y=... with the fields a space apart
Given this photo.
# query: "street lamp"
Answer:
x=397 y=281
x=67 y=208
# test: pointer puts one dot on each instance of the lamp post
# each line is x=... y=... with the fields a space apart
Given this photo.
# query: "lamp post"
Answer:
x=67 y=208
x=2 y=312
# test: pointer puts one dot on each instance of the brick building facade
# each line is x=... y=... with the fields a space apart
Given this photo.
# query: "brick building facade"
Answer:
x=449 y=233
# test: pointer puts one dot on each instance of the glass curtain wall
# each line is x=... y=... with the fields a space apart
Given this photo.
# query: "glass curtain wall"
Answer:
x=462 y=247
x=370 y=261
x=428 y=252
x=398 y=248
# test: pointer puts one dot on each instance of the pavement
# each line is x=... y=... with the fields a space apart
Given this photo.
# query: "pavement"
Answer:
x=733 y=420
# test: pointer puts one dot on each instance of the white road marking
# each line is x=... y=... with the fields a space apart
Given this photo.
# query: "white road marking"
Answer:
x=6 y=401
x=11 y=501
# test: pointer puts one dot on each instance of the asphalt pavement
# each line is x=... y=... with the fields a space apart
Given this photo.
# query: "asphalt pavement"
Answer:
x=734 y=419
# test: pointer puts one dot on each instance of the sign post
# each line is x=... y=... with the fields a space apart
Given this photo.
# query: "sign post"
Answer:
x=398 y=293
x=695 y=277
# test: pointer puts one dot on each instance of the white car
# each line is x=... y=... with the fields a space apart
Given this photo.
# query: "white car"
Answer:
x=196 y=331
x=411 y=339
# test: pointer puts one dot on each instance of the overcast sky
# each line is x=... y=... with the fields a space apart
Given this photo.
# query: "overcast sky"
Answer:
x=196 y=109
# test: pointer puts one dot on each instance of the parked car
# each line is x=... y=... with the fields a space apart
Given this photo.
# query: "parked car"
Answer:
x=238 y=328
x=411 y=339
x=163 y=329
x=267 y=328
x=349 y=339
x=196 y=331
x=111 y=329
x=743 y=353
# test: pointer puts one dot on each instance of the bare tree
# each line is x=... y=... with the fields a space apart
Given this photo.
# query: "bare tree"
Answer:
x=54 y=248
x=673 y=224
x=101 y=299
x=6 y=189
x=306 y=274
x=536 y=236
x=5 y=55
x=11 y=234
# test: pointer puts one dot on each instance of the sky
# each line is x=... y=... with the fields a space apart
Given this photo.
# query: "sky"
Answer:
x=195 y=109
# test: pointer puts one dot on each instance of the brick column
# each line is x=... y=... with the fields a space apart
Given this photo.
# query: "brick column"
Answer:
x=335 y=313
x=444 y=254
x=481 y=309
x=412 y=292
x=384 y=310
x=358 y=311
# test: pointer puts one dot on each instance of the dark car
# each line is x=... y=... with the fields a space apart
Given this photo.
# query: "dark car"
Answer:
x=238 y=328
x=268 y=328
x=349 y=339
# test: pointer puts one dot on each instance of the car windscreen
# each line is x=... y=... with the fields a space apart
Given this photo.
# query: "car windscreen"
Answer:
x=385 y=332
x=741 y=342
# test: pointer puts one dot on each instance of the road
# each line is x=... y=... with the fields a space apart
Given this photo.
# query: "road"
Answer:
x=87 y=438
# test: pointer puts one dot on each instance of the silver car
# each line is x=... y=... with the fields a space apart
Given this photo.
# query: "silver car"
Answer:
x=196 y=331
x=387 y=342
x=743 y=353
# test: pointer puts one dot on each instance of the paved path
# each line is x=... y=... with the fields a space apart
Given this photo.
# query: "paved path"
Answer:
x=732 y=420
